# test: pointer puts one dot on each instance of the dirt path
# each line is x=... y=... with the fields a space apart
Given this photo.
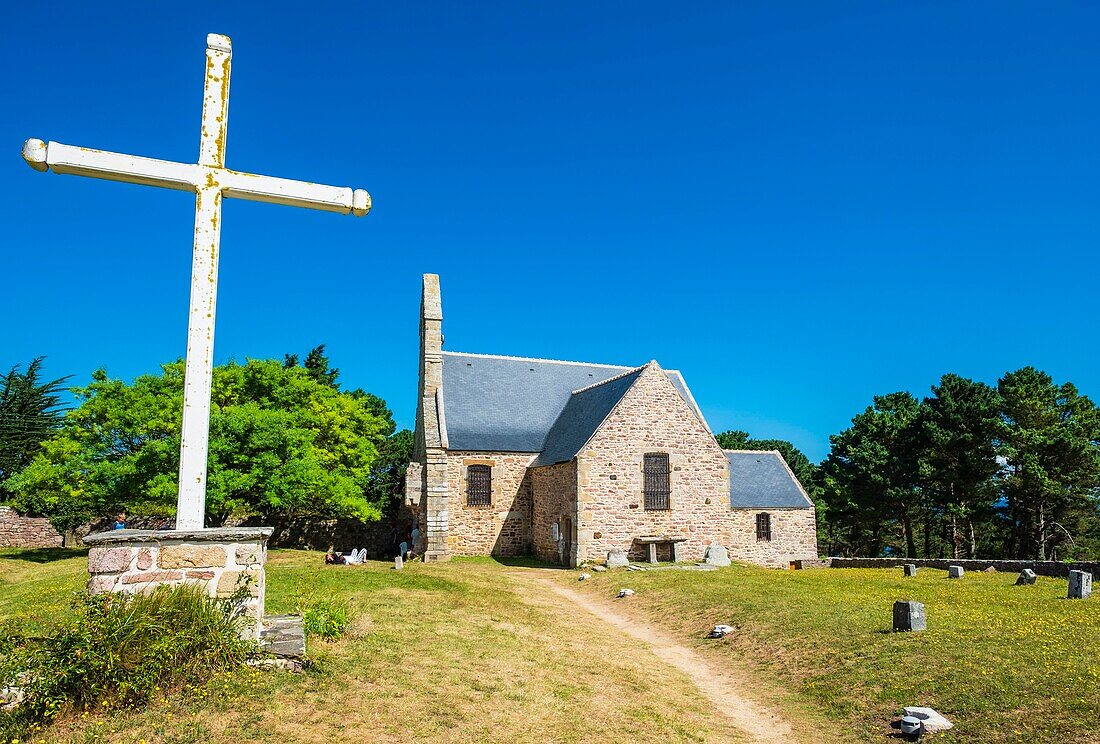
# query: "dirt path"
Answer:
x=725 y=692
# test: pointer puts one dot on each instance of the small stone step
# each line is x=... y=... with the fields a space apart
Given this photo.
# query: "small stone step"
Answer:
x=283 y=635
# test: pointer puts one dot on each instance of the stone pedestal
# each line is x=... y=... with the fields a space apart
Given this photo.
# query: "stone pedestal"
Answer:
x=910 y=569
x=908 y=616
x=222 y=561
x=1080 y=585
x=955 y=572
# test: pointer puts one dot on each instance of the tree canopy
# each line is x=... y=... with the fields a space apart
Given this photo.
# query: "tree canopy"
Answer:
x=283 y=439
x=30 y=412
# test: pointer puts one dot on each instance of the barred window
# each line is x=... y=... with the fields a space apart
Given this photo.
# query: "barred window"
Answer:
x=479 y=485
x=764 y=527
x=655 y=486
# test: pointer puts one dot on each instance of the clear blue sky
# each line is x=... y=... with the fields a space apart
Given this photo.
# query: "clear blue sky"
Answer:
x=800 y=205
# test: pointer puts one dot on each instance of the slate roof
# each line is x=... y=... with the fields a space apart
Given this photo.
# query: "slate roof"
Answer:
x=761 y=480
x=510 y=404
x=582 y=415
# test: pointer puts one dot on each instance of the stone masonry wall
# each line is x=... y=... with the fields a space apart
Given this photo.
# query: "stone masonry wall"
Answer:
x=502 y=528
x=1043 y=568
x=18 y=531
x=651 y=418
x=220 y=567
x=553 y=499
x=794 y=537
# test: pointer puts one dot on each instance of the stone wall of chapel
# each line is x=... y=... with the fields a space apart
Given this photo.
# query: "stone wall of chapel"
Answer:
x=504 y=527
x=554 y=499
x=653 y=418
x=793 y=533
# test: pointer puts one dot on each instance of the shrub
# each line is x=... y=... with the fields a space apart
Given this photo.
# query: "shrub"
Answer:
x=119 y=650
x=326 y=618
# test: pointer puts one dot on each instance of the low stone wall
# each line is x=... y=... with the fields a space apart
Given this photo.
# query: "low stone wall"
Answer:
x=221 y=560
x=1043 y=568
x=17 y=531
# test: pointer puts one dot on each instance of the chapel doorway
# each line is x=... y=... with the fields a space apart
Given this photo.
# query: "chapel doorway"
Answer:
x=567 y=541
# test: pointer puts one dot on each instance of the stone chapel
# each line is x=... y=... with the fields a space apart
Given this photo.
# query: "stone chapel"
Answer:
x=567 y=461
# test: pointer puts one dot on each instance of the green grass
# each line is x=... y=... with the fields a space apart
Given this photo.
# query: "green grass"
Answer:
x=457 y=652
x=1004 y=663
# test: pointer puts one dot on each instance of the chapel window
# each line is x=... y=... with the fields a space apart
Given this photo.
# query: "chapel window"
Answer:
x=479 y=485
x=764 y=527
x=655 y=487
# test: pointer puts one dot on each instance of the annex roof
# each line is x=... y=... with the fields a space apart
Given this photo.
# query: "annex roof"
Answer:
x=762 y=480
x=510 y=404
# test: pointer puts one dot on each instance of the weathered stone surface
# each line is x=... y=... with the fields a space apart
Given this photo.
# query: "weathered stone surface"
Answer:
x=230 y=580
x=908 y=616
x=931 y=720
x=1080 y=585
x=626 y=593
x=212 y=534
x=283 y=635
x=101 y=583
x=192 y=556
x=910 y=569
x=955 y=572
x=203 y=574
x=1026 y=578
x=145 y=559
x=151 y=577
x=990 y=569
x=720 y=631
x=108 y=560
x=617 y=559
x=248 y=555
x=598 y=568
x=717 y=555
x=398 y=562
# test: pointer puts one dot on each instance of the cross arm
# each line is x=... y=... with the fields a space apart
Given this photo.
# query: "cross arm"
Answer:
x=294 y=193
x=112 y=166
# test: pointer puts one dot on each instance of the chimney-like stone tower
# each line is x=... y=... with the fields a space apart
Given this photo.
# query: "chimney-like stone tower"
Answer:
x=426 y=481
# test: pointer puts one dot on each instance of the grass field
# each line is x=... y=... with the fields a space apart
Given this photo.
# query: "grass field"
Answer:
x=458 y=652
x=1004 y=663
x=471 y=651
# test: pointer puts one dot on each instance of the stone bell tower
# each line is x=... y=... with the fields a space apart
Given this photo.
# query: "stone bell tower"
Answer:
x=426 y=479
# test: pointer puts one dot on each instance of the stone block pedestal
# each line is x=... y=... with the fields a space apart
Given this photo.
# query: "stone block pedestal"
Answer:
x=1080 y=585
x=224 y=561
x=908 y=617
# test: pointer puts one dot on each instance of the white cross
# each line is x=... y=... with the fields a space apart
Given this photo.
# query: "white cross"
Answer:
x=209 y=180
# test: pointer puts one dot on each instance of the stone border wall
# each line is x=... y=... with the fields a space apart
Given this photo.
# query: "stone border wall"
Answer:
x=220 y=560
x=17 y=531
x=1043 y=568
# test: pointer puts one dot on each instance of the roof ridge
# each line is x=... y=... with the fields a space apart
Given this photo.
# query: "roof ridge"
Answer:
x=609 y=379
x=538 y=359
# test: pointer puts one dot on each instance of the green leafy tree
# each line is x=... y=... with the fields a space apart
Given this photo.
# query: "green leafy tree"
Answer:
x=30 y=413
x=796 y=460
x=387 y=478
x=281 y=441
x=1050 y=441
x=733 y=439
x=961 y=424
x=871 y=476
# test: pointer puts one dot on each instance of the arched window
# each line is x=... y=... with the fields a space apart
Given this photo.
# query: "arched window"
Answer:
x=764 y=527
x=479 y=485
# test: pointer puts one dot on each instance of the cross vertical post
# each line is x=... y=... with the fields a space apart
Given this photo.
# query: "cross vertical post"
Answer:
x=199 y=372
x=210 y=181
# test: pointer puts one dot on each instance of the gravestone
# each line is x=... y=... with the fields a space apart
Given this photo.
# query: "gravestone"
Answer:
x=717 y=555
x=1080 y=585
x=955 y=572
x=617 y=559
x=910 y=569
x=908 y=616
x=398 y=563
x=1026 y=578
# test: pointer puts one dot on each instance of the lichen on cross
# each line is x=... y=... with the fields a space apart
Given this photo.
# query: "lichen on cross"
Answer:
x=210 y=181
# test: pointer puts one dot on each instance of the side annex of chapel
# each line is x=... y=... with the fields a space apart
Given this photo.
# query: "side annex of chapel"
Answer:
x=566 y=461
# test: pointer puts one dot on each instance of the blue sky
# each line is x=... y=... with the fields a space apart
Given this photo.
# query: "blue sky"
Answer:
x=799 y=205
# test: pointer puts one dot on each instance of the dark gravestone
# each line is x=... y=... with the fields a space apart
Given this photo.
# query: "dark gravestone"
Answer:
x=910 y=569
x=955 y=572
x=908 y=616
x=1080 y=585
x=1026 y=578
